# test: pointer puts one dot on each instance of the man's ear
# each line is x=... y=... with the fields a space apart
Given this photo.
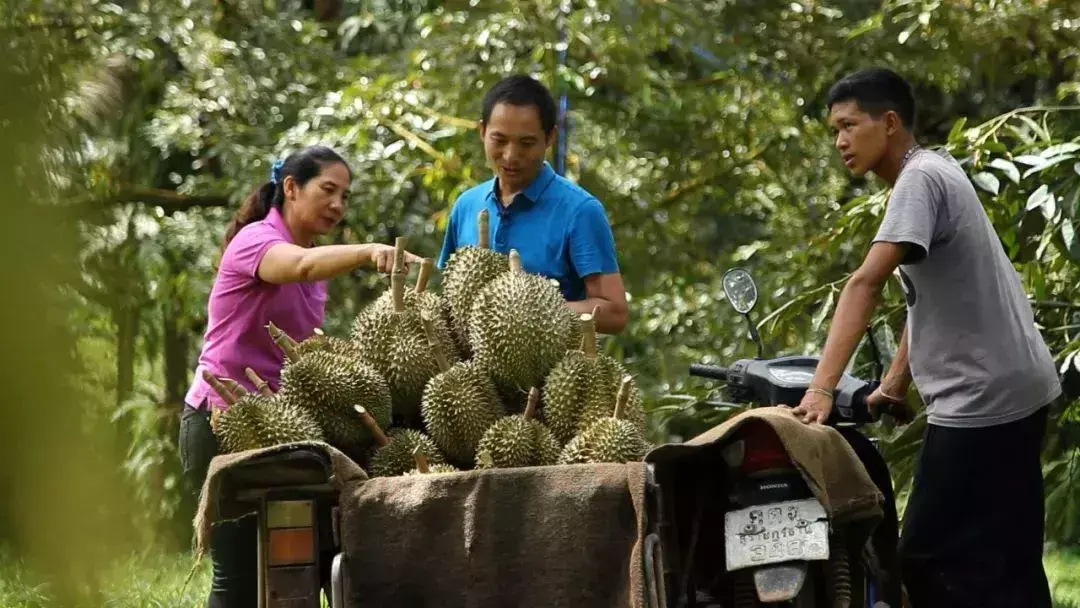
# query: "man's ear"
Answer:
x=550 y=137
x=483 y=128
x=892 y=122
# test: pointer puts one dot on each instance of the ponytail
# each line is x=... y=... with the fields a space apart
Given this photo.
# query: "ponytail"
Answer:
x=302 y=166
x=255 y=208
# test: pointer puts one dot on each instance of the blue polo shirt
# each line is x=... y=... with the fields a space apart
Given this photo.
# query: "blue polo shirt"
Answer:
x=560 y=230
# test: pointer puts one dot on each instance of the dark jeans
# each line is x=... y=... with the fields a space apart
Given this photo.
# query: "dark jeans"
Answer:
x=886 y=536
x=973 y=529
x=233 y=549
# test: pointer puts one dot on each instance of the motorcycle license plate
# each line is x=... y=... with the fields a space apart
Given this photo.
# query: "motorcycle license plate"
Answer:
x=776 y=532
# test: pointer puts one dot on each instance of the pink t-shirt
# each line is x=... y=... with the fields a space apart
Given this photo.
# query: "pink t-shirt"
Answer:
x=241 y=305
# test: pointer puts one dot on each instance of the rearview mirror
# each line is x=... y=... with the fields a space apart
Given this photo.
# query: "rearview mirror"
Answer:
x=740 y=289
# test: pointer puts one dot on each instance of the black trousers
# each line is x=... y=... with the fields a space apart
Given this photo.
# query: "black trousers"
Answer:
x=973 y=528
x=233 y=548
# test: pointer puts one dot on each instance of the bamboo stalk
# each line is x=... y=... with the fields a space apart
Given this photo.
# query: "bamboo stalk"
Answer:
x=381 y=439
x=262 y=385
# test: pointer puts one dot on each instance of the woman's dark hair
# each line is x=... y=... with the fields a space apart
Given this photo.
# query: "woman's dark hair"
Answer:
x=302 y=165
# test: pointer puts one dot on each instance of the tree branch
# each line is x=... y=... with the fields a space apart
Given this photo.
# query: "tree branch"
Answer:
x=169 y=200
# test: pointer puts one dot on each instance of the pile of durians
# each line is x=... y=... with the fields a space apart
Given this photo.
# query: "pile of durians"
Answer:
x=497 y=371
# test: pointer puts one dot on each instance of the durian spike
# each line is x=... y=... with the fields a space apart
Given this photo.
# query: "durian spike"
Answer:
x=262 y=385
x=381 y=439
x=399 y=254
x=235 y=388
x=482 y=224
x=427 y=266
x=515 y=261
x=283 y=340
x=433 y=341
x=421 y=460
x=588 y=334
x=534 y=402
x=623 y=396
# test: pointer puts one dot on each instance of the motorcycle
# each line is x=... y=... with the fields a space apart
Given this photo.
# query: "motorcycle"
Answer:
x=768 y=498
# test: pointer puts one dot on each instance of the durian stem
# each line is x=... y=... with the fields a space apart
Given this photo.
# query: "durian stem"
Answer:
x=588 y=334
x=397 y=288
x=421 y=460
x=399 y=254
x=283 y=340
x=427 y=266
x=235 y=388
x=262 y=385
x=381 y=439
x=433 y=341
x=533 y=403
x=515 y=261
x=623 y=397
x=483 y=222
x=219 y=388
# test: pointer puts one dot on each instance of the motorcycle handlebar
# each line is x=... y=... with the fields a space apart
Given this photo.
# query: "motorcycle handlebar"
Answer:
x=708 y=371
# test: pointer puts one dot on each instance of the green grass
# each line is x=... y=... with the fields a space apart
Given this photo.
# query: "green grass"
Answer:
x=154 y=580
x=150 y=580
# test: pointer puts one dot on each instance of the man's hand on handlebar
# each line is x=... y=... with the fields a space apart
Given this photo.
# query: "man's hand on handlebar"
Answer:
x=814 y=407
x=879 y=404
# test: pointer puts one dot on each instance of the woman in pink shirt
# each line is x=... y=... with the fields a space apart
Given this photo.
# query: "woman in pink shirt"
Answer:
x=270 y=271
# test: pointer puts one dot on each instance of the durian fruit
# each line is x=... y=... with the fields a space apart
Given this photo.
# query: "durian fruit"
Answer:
x=518 y=441
x=520 y=327
x=329 y=385
x=469 y=270
x=419 y=299
x=396 y=454
x=582 y=386
x=257 y=421
x=393 y=342
x=424 y=468
x=610 y=439
x=459 y=403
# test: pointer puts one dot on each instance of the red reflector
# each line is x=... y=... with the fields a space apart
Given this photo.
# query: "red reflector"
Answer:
x=764 y=450
x=291 y=546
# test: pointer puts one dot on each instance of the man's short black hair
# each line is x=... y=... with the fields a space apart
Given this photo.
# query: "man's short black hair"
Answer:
x=876 y=90
x=522 y=90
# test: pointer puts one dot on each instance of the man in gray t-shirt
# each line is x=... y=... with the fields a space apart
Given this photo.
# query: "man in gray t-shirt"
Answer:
x=973 y=526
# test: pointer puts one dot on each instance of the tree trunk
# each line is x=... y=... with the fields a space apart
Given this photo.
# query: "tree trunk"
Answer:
x=127 y=329
x=176 y=346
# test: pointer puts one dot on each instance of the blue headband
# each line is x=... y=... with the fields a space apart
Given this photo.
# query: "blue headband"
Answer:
x=275 y=171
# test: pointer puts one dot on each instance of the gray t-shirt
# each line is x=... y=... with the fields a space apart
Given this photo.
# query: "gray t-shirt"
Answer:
x=976 y=356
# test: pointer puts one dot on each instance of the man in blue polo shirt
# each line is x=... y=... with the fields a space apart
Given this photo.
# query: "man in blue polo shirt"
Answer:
x=560 y=230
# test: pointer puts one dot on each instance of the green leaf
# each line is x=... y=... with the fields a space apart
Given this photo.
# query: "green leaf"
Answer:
x=957 y=129
x=1047 y=164
x=1030 y=160
x=1008 y=168
x=1072 y=245
x=987 y=181
x=1036 y=199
